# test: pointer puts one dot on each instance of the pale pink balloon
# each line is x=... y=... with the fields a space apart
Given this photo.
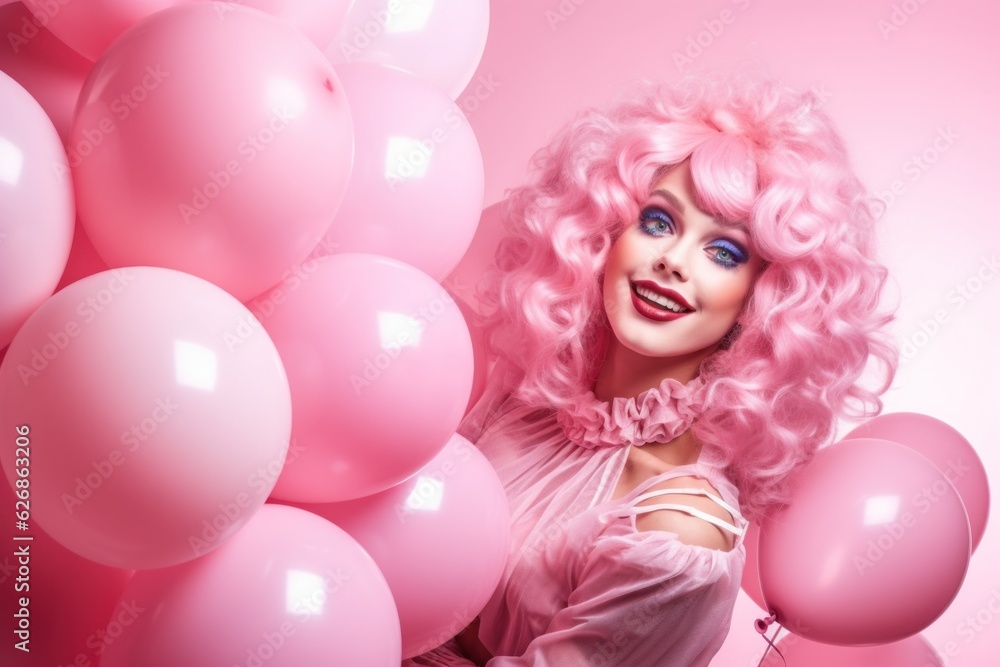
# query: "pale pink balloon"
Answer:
x=440 y=538
x=913 y=651
x=288 y=590
x=947 y=449
x=416 y=190
x=70 y=600
x=89 y=27
x=153 y=437
x=441 y=42
x=218 y=144
x=48 y=69
x=872 y=548
x=36 y=207
x=379 y=361
x=319 y=20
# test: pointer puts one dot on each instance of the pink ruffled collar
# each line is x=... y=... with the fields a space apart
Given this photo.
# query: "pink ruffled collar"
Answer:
x=658 y=414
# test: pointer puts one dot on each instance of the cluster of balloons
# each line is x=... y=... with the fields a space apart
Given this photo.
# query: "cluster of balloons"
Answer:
x=873 y=546
x=232 y=374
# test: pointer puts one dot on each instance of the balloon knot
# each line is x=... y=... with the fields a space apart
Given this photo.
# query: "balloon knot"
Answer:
x=760 y=625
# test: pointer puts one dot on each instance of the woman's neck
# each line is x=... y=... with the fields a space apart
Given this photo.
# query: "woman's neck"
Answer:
x=626 y=374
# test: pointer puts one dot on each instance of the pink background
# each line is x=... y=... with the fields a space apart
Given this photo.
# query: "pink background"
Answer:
x=891 y=92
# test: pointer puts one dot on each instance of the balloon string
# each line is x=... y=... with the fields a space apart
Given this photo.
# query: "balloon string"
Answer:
x=760 y=625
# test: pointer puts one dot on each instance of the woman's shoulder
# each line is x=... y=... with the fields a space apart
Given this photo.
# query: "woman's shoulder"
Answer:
x=685 y=505
x=695 y=504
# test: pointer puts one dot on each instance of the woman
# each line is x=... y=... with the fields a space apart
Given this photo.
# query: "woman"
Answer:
x=682 y=309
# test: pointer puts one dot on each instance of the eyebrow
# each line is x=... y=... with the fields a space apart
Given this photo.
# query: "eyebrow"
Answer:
x=722 y=222
x=669 y=196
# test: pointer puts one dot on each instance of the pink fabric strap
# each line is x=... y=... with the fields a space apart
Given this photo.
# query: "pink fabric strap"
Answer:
x=643 y=509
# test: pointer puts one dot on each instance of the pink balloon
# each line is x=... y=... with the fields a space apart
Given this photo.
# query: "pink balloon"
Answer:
x=798 y=652
x=872 y=548
x=48 y=69
x=416 y=190
x=70 y=600
x=319 y=21
x=440 y=42
x=148 y=437
x=216 y=144
x=379 y=361
x=440 y=538
x=947 y=449
x=89 y=27
x=36 y=208
x=288 y=590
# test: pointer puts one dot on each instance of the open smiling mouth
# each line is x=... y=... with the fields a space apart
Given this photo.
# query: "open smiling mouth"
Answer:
x=658 y=301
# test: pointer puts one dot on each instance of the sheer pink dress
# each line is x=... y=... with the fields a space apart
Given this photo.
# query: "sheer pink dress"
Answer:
x=582 y=587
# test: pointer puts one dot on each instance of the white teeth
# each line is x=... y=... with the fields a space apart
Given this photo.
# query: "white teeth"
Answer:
x=662 y=300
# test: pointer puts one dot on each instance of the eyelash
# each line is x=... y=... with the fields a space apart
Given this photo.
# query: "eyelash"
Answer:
x=739 y=256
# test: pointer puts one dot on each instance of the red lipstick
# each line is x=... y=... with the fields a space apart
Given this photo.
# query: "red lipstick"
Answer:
x=653 y=312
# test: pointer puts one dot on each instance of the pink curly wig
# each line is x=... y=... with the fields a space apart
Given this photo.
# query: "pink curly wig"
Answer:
x=761 y=153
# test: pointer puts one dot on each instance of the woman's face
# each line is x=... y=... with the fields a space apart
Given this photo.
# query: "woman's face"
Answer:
x=676 y=248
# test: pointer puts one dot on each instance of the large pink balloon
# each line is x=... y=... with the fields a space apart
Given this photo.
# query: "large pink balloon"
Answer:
x=89 y=27
x=70 y=600
x=289 y=590
x=416 y=190
x=440 y=538
x=379 y=361
x=149 y=439
x=36 y=207
x=872 y=548
x=48 y=69
x=947 y=449
x=216 y=145
x=913 y=651
x=441 y=42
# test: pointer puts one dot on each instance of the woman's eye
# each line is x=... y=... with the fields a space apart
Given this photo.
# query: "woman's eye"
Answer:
x=728 y=255
x=656 y=221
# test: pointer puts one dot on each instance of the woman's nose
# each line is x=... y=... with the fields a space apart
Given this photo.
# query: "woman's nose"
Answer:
x=672 y=261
